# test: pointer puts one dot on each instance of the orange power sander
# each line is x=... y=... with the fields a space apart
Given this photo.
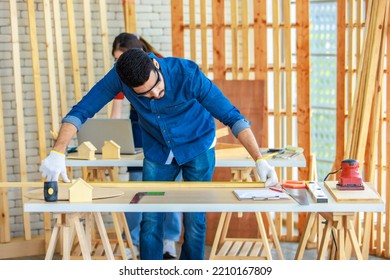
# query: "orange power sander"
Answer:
x=350 y=178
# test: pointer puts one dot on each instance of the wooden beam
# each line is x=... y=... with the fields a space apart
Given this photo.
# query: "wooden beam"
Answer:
x=88 y=44
x=19 y=97
x=245 y=39
x=177 y=28
x=303 y=83
x=74 y=51
x=51 y=67
x=276 y=75
x=219 y=59
x=143 y=184
x=288 y=76
x=260 y=59
x=203 y=32
x=129 y=15
x=340 y=92
x=5 y=235
x=234 y=38
x=60 y=59
x=18 y=248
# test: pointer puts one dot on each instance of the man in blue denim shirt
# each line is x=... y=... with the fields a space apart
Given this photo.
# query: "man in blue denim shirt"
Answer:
x=177 y=105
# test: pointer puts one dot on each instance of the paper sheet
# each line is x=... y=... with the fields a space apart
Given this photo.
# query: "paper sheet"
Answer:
x=263 y=194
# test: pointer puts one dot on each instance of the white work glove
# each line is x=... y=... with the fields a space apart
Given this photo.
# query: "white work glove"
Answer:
x=53 y=166
x=266 y=173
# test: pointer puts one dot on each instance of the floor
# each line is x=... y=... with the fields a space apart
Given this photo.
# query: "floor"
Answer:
x=288 y=249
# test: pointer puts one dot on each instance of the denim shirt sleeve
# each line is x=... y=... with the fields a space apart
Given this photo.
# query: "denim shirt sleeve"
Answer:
x=92 y=102
x=211 y=97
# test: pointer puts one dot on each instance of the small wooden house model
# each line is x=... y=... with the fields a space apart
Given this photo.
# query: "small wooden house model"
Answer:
x=86 y=150
x=111 y=150
x=80 y=191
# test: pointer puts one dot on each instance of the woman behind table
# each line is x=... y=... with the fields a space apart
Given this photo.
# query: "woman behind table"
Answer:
x=172 y=223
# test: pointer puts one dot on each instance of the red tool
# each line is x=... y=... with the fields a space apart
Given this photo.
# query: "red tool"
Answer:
x=294 y=184
x=297 y=190
x=350 y=178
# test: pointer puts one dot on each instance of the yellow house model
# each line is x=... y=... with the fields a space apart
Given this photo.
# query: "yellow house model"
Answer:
x=111 y=150
x=86 y=150
x=80 y=191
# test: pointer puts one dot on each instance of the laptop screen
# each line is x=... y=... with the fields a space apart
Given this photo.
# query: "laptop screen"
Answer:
x=97 y=131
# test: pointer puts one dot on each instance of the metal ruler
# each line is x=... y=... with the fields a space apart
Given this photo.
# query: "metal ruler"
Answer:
x=139 y=195
x=317 y=193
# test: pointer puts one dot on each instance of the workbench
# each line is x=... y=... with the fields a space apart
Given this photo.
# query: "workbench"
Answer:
x=193 y=197
x=241 y=166
x=230 y=160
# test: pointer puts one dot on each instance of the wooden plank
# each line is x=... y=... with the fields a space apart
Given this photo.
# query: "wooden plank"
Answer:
x=40 y=119
x=19 y=247
x=387 y=148
x=88 y=44
x=303 y=83
x=19 y=104
x=369 y=194
x=240 y=151
x=303 y=94
x=276 y=75
x=350 y=53
x=288 y=75
x=248 y=106
x=177 y=28
x=221 y=132
x=234 y=38
x=5 y=231
x=192 y=27
x=129 y=15
x=235 y=248
x=142 y=184
x=225 y=248
x=340 y=92
x=368 y=94
x=256 y=249
x=219 y=59
x=246 y=248
x=104 y=35
x=203 y=34
x=359 y=28
x=245 y=39
x=60 y=59
x=37 y=79
x=51 y=67
x=74 y=51
x=260 y=59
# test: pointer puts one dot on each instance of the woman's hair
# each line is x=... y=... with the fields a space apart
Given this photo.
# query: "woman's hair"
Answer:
x=134 y=67
x=126 y=41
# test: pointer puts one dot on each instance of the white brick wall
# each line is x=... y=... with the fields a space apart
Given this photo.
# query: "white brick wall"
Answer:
x=153 y=23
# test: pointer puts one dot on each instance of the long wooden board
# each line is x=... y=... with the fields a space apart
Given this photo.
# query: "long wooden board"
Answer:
x=63 y=193
x=366 y=195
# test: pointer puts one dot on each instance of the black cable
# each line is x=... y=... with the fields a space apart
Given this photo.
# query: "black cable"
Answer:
x=334 y=172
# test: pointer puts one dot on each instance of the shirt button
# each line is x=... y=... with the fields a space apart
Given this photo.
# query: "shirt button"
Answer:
x=158 y=117
x=168 y=141
x=164 y=130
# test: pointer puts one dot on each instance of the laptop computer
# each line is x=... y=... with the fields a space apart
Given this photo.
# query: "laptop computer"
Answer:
x=120 y=131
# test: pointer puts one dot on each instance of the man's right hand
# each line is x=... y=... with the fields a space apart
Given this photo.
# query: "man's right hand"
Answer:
x=53 y=166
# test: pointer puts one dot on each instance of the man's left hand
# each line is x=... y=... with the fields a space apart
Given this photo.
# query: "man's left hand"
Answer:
x=266 y=173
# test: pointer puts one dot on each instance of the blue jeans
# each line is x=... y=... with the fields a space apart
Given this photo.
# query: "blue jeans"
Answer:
x=200 y=168
x=172 y=221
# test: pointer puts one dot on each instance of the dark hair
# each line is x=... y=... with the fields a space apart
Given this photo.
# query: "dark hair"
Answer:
x=125 y=41
x=134 y=67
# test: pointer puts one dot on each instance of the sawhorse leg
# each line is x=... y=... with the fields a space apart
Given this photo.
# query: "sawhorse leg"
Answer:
x=64 y=222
